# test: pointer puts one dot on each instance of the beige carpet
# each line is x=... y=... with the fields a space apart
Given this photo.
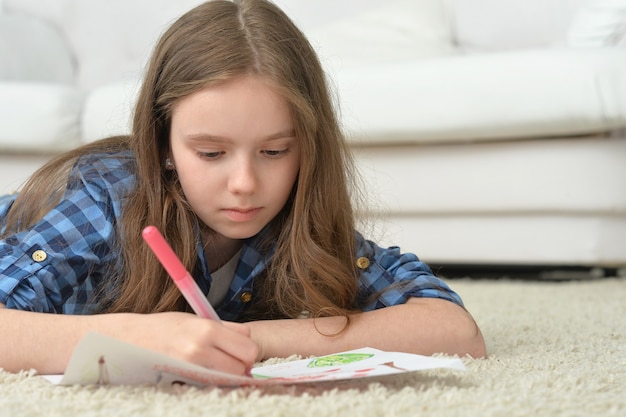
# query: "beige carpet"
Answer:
x=557 y=349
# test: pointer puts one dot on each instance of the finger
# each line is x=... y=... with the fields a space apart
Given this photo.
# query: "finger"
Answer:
x=213 y=355
x=238 y=345
x=219 y=360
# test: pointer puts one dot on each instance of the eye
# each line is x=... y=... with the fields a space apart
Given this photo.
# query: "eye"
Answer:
x=210 y=155
x=275 y=153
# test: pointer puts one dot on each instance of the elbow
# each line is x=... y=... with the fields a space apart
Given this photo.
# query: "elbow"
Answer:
x=452 y=330
x=470 y=340
x=475 y=345
x=464 y=337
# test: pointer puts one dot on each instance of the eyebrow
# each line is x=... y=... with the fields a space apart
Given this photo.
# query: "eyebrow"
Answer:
x=287 y=133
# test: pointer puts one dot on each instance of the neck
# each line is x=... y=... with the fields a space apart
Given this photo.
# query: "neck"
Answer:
x=218 y=249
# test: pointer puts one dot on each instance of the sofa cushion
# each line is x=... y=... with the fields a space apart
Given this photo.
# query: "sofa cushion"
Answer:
x=39 y=117
x=108 y=110
x=531 y=93
x=111 y=38
x=392 y=31
x=585 y=175
x=558 y=92
x=497 y=25
x=31 y=50
x=599 y=23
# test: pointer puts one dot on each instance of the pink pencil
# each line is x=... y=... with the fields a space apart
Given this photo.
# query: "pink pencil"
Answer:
x=175 y=268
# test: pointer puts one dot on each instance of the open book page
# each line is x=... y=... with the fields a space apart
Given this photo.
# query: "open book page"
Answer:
x=102 y=360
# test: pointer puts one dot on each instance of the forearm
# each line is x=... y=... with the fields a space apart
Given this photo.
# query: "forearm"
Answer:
x=423 y=326
x=44 y=341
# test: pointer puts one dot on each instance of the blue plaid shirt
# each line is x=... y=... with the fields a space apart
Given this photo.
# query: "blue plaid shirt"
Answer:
x=56 y=265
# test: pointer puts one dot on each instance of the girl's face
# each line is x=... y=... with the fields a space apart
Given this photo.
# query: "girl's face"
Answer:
x=236 y=155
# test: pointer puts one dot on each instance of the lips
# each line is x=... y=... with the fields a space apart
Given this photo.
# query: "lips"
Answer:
x=242 y=214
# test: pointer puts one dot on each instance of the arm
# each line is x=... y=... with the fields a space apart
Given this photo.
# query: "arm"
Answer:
x=61 y=277
x=421 y=325
x=45 y=341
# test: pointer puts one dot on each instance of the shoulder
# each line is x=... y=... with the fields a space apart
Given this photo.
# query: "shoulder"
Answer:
x=387 y=257
x=6 y=202
x=395 y=276
x=113 y=171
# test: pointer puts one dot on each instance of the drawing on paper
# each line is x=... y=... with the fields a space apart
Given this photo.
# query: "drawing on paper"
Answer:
x=338 y=359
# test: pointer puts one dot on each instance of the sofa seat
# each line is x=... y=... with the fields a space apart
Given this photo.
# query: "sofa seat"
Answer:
x=557 y=202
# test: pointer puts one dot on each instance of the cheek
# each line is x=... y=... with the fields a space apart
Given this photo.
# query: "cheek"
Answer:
x=193 y=182
x=292 y=176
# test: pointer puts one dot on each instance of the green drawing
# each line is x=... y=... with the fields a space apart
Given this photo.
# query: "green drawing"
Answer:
x=339 y=359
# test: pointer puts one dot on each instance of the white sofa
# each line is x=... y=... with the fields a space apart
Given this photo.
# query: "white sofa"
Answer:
x=487 y=132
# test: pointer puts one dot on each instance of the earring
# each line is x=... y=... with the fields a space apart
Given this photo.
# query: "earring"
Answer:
x=168 y=164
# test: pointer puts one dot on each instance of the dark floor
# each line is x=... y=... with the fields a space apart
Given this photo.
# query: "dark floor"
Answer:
x=542 y=272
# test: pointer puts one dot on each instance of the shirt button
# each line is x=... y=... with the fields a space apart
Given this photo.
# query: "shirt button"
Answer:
x=39 y=256
x=245 y=297
x=363 y=262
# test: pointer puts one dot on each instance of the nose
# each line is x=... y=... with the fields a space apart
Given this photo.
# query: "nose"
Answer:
x=243 y=177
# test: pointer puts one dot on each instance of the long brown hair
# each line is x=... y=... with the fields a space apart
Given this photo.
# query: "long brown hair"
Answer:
x=313 y=265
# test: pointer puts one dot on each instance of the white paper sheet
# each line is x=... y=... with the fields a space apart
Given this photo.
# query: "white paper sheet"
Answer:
x=99 y=359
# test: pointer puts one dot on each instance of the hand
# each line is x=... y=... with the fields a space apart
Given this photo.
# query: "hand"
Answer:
x=225 y=346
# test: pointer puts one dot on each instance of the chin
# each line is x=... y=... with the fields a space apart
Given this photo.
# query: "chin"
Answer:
x=240 y=234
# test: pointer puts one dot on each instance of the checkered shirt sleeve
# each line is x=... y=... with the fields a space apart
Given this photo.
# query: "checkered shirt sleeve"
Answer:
x=55 y=265
x=395 y=276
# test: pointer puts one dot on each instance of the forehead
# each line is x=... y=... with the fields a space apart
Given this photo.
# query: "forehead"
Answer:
x=236 y=106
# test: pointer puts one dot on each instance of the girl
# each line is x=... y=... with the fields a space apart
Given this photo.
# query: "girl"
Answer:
x=237 y=157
